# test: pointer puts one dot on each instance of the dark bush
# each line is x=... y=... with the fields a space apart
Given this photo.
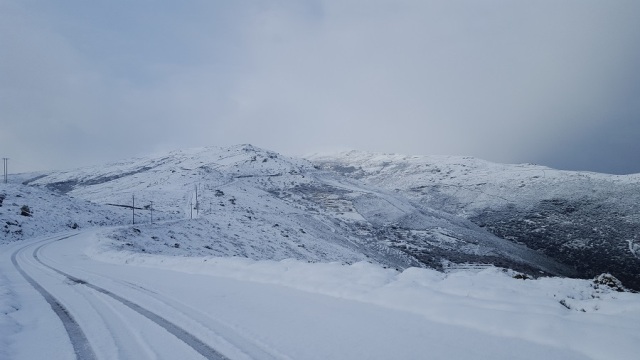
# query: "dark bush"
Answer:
x=25 y=211
x=610 y=281
x=521 y=276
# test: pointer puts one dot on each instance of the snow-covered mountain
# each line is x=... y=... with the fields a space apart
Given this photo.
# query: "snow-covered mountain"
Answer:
x=262 y=205
x=588 y=221
x=274 y=253
x=399 y=211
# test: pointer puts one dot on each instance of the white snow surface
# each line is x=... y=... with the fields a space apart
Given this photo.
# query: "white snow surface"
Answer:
x=292 y=309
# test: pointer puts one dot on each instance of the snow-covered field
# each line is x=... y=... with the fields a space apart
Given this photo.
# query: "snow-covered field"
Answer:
x=280 y=261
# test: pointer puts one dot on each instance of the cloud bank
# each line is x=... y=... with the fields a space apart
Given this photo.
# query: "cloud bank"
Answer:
x=549 y=82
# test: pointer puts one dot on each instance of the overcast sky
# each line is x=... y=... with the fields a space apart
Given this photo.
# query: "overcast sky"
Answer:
x=552 y=82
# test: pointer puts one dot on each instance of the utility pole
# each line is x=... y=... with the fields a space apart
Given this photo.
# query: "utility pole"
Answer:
x=197 y=206
x=151 y=209
x=133 y=208
x=6 y=168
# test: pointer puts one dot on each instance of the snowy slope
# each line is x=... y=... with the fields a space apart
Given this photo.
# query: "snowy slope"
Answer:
x=586 y=220
x=48 y=212
x=259 y=204
x=467 y=185
x=169 y=180
x=235 y=213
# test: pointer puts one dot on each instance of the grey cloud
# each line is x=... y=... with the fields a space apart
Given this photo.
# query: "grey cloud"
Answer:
x=494 y=80
x=502 y=80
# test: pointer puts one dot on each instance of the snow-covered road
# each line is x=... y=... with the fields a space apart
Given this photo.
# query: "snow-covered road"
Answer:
x=63 y=303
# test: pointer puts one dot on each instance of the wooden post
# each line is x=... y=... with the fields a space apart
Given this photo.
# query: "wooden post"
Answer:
x=197 y=206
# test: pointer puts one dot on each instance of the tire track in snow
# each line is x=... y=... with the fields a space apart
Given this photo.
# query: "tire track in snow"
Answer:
x=186 y=337
x=78 y=339
x=252 y=348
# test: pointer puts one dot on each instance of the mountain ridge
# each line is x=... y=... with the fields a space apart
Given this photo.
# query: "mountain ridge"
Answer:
x=584 y=219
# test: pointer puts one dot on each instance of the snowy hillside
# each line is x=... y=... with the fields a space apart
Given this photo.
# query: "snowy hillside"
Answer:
x=256 y=203
x=169 y=180
x=586 y=220
x=234 y=212
x=26 y=212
